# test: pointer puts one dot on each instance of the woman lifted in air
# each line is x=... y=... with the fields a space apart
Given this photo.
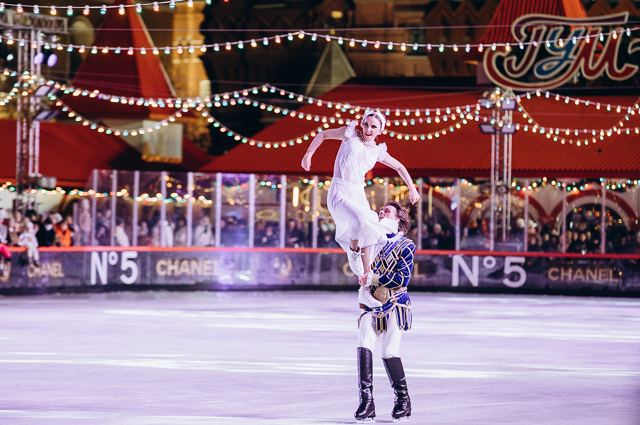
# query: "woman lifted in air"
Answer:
x=358 y=230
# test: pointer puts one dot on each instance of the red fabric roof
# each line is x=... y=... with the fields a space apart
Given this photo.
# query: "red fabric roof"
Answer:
x=70 y=152
x=465 y=152
x=499 y=30
x=131 y=76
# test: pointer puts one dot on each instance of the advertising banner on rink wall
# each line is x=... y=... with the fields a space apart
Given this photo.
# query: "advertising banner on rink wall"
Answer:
x=227 y=269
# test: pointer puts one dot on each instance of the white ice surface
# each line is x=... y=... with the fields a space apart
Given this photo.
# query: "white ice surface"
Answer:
x=283 y=358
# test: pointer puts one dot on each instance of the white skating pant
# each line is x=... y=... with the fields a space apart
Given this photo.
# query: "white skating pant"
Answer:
x=390 y=340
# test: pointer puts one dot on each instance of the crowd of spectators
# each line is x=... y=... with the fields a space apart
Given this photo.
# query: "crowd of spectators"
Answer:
x=32 y=230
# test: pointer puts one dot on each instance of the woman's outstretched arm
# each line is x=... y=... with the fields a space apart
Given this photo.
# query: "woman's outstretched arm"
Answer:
x=337 y=133
x=391 y=162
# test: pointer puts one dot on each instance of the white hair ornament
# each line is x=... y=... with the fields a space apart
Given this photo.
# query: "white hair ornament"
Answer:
x=376 y=114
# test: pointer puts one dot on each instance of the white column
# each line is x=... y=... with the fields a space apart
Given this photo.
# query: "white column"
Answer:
x=419 y=212
x=603 y=222
x=190 y=209
x=314 y=211
x=526 y=215
x=386 y=190
x=458 y=196
x=252 y=209
x=218 y=206
x=283 y=209
x=564 y=217
x=136 y=193
x=114 y=189
x=163 y=206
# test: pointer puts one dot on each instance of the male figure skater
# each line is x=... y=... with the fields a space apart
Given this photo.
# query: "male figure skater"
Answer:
x=389 y=278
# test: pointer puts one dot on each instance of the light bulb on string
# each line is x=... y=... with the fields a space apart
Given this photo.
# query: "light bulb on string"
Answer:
x=138 y=8
x=53 y=10
x=121 y=9
x=156 y=8
x=36 y=9
x=19 y=8
x=85 y=11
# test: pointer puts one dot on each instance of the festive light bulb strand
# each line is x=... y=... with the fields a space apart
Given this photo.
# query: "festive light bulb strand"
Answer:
x=117 y=132
x=324 y=118
x=301 y=34
x=577 y=101
x=211 y=100
x=570 y=135
x=22 y=8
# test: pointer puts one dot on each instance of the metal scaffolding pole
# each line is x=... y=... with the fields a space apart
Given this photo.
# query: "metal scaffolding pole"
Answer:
x=526 y=215
x=564 y=218
x=94 y=208
x=33 y=28
x=492 y=215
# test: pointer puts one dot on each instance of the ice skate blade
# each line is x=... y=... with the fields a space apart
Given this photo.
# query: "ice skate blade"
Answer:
x=365 y=297
x=365 y=420
x=402 y=419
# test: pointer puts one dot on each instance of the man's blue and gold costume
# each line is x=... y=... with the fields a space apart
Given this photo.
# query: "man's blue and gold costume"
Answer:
x=392 y=270
x=390 y=276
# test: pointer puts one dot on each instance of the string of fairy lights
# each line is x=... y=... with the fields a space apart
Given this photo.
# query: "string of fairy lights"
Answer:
x=564 y=135
x=314 y=37
x=86 y=10
x=403 y=117
x=618 y=185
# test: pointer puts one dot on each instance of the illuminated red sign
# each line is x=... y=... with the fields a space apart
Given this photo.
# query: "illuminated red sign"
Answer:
x=560 y=49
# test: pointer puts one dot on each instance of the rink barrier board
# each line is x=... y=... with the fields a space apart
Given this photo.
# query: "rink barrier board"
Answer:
x=99 y=269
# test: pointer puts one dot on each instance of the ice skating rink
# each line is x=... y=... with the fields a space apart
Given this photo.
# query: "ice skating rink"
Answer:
x=282 y=358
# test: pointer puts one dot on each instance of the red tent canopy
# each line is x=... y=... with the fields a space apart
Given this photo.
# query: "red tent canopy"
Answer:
x=465 y=152
x=70 y=152
x=130 y=76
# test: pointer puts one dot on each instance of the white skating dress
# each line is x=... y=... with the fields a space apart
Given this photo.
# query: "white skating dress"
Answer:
x=346 y=199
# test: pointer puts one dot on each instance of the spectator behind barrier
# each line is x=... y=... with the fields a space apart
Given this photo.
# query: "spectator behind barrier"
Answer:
x=64 y=235
x=294 y=237
x=46 y=234
x=121 y=236
x=180 y=234
x=28 y=240
x=203 y=234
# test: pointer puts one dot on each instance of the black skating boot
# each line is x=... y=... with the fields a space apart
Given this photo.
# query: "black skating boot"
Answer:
x=402 y=405
x=366 y=410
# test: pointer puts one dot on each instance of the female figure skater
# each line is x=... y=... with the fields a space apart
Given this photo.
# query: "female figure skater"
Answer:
x=358 y=230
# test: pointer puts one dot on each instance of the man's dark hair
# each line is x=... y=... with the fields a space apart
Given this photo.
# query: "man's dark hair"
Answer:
x=405 y=221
